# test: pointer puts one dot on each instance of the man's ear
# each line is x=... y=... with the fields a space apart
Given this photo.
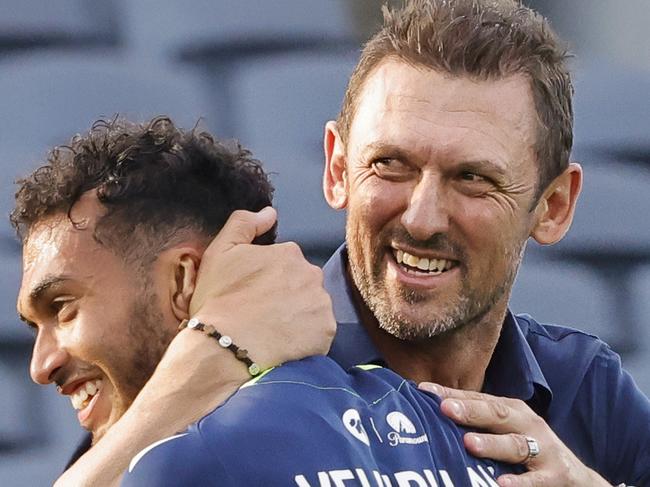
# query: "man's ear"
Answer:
x=555 y=209
x=335 y=183
x=182 y=271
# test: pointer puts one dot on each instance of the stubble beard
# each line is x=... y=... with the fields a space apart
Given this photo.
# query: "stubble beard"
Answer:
x=470 y=305
x=147 y=339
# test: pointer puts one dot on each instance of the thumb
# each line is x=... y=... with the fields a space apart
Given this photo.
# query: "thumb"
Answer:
x=242 y=228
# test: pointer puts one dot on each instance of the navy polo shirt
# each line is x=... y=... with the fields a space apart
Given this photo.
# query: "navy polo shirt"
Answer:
x=572 y=379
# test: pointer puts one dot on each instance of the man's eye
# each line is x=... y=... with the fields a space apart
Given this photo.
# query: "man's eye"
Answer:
x=391 y=168
x=471 y=176
x=62 y=308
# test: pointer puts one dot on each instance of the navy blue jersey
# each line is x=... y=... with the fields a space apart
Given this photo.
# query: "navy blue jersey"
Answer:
x=311 y=423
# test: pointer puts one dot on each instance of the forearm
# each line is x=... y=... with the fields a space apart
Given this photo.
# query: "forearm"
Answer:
x=104 y=463
x=166 y=405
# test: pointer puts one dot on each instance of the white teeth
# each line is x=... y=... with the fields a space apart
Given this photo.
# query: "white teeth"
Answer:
x=411 y=260
x=432 y=266
x=423 y=264
x=91 y=388
x=84 y=393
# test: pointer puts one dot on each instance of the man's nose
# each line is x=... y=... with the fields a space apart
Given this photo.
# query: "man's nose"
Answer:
x=47 y=358
x=426 y=214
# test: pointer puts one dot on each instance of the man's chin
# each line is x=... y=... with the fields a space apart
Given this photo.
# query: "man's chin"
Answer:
x=100 y=431
x=414 y=331
x=98 y=435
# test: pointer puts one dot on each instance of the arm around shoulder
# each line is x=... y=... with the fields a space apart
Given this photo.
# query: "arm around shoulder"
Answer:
x=177 y=461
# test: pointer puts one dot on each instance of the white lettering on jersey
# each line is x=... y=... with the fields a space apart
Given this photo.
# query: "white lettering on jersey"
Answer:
x=445 y=478
x=381 y=480
x=340 y=476
x=405 y=478
x=410 y=479
x=323 y=480
x=480 y=481
x=362 y=477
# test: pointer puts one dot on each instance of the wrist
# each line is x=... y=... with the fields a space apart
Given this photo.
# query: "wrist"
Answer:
x=224 y=341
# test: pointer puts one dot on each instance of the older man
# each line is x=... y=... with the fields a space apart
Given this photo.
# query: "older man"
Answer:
x=451 y=151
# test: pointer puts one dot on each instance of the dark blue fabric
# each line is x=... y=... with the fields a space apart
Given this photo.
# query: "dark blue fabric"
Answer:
x=311 y=423
x=572 y=379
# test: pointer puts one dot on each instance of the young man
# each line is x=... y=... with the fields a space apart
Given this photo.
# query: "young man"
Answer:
x=114 y=229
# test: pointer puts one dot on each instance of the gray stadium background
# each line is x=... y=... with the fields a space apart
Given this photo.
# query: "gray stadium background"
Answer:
x=270 y=72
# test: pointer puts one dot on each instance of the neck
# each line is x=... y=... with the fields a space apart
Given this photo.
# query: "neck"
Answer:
x=458 y=358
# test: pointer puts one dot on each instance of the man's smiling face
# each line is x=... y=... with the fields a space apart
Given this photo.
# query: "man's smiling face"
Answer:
x=99 y=328
x=439 y=179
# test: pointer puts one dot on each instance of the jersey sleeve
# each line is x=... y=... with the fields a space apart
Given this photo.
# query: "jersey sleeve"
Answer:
x=626 y=444
x=177 y=461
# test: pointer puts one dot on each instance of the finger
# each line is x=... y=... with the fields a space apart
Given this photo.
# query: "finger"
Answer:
x=241 y=228
x=494 y=416
x=448 y=392
x=508 y=448
x=528 y=479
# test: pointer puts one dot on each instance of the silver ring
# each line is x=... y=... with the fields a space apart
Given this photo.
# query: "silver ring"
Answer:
x=533 y=449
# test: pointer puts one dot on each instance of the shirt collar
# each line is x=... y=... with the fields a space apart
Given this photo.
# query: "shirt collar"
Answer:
x=513 y=370
x=352 y=345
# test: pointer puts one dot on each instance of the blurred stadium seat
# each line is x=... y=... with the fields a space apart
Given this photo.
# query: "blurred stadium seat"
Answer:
x=50 y=97
x=70 y=23
x=611 y=108
x=215 y=38
x=579 y=298
x=611 y=218
x=610 y=234
x=233 y=28
x=282 y=104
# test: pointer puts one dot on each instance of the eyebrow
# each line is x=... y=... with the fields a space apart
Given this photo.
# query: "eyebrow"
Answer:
x=45 y=285
x=389 y=149
x=484 y=165
x=400 y=153
x=39 y=290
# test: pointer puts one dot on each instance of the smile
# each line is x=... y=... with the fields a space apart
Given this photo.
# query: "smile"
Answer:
x=85 y=393
x=413 y=264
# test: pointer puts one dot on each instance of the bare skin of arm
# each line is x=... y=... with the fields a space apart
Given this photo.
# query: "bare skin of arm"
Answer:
x=268 y=298
x=507 y=422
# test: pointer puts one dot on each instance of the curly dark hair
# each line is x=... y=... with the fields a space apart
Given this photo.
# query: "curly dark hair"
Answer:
x=154 y=180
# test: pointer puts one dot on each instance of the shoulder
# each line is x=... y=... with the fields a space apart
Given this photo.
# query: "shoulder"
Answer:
x=583 y=370
x=556 y=344
x=178 y=460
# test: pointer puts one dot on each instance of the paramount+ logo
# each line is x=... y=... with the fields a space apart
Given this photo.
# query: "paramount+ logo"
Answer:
x=404 y=431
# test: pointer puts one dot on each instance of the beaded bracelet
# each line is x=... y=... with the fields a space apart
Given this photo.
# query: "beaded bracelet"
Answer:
x=224 y=341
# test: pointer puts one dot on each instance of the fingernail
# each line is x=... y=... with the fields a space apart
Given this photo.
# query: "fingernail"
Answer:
x=477 y=442
x=505 y=481
x=456 y=408
x=429 y=387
